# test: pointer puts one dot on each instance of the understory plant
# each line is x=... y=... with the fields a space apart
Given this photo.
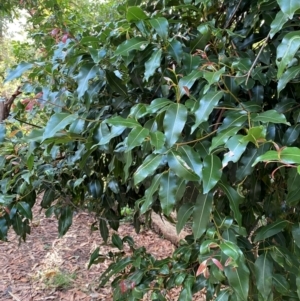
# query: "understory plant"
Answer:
x=174 y=105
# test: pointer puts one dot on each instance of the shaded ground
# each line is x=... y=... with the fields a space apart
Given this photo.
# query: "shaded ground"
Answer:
x=33 y=270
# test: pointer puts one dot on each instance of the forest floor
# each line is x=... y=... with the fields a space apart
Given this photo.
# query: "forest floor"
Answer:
x=46 y=267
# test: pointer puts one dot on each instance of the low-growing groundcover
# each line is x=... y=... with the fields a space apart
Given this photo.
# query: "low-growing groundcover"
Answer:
x=169 y=95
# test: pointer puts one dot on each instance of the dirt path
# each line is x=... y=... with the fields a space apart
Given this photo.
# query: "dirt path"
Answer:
x=34 y=270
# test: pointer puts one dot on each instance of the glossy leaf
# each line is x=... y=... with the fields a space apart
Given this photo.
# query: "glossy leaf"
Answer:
x=115 y=83
x=152 y=64
x=175 y=50
x=167 y=192
x=148 y=167
x=158 y=104
x=296 y=234
x=157 y=139
x=135 y=13
x=18 y=71
x=150 y=192
x=180 y=167
x=289 y=7
x=277 y=24
x=222 y=137
x=234 y=200
x=271 y=116
x=286 y=51
x=24 y=209
x=201 y=214
x=236 y=149
x=184 y=213
x=205 y=107
x=65 y=220
x=86 y=73
x=120 y=121
x=174 y=121
x=230 y=249
x=265 y=232
x=191 y=157
x=211 y=172
x=188 y=81
x=238 y=278
x=103 y=229
x=136 y=137
x=160 y=25
x=263 y=274
x=133 y=44
x=58 y=122
x=287 y=76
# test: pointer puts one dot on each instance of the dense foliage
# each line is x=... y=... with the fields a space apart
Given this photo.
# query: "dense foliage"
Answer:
x=170 y=96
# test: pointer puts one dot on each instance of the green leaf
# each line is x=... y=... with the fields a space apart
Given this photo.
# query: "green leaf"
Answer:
x=135 y=13
x=234 y=200
x=132 y=44
x=212 y=77
x=48 y=198
x=238 y=278
x=205 y=106
x=2 y=131
x=296 y=234
x=278 y=23
x=180 y=167
x=152 y=64
x=158 y=104
x=148 y=167
x=184 y=213
x=175 y=50
x=288 y=7
x=263 y=274
x=223 y=295
x=223 y=136
x=86 y=73
x=103 y=229
x=211 y=172
x=95 y=189
x=174 y=122
x=157 y=139
x=271 y=116
x=233 y=119
x=120 y=121
x=136 y=137
x=288 y=75
x=117 y=241
x=65 y=220
x=230 y=249
x=290 y=155
x=281 y=285
x=58 y=122
x=3 y=229
x=286 y=51
x=201 y=214
x=149 y=193
x=161 y=26
x=188 y=81
x=116 y=84
x=236 y=149
x=269 y=156
x=191 y=157
x=24 y=209
x=255 y=135
x=265 y=232
x=18 y=71
x=291 y=135
x=167 y=192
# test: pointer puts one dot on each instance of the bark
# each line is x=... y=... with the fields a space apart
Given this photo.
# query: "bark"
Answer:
x=5 y=106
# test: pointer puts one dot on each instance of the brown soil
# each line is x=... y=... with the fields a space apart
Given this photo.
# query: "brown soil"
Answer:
x=27 y=270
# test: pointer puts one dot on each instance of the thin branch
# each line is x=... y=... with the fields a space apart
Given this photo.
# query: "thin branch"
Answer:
x=257 y=57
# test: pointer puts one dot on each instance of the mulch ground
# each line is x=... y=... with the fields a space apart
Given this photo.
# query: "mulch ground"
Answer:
x=27 y=269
